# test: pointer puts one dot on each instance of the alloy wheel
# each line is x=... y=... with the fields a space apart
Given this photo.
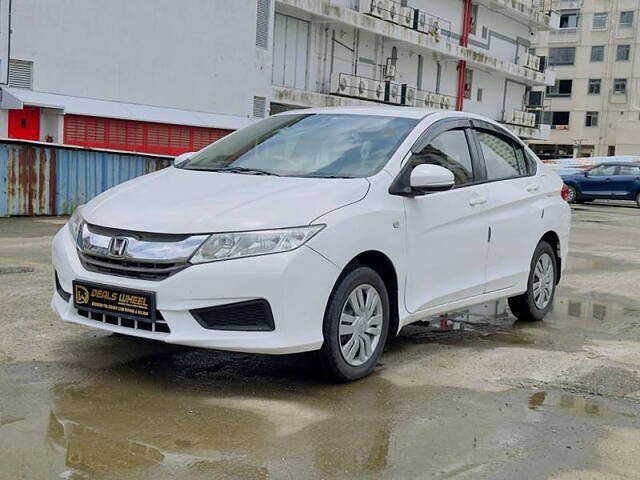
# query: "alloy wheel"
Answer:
x=360 y=325
x=543 y=281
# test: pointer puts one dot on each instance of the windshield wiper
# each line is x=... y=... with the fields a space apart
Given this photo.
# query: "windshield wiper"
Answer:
x=249 y=171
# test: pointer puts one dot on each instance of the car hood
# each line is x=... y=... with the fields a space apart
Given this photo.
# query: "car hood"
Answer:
x=187 y=201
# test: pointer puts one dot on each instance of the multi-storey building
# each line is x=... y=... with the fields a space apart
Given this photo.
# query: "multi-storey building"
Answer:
x=593 y=108
x=169 y=76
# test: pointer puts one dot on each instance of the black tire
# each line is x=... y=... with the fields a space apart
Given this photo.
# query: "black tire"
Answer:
x=332 y=360
x=524 y=306
x=572 y=197
x=638 y=199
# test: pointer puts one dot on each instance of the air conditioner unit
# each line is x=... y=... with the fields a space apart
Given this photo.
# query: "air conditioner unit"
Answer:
x=393 y=93
x=344 y=84
x=408 y=95
x=363 y=87
x=447 y=103
x=422 y=99
x=530 y=119
x=406 y=17
x=389 y=69
x=509 y=117
x=420 y=21
x=534 y=63
x=434 y=100
x=376 y=91
x=375 y=8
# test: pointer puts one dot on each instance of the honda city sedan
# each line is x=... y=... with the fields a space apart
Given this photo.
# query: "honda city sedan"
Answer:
x=324 y=230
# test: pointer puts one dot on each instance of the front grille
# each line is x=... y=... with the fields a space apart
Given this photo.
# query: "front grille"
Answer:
x=129 y=268
x=159 y=326
x=250 y=316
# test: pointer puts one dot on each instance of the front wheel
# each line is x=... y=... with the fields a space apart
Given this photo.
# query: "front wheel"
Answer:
x=535 y=303
x=638 y=199
x=355 y=325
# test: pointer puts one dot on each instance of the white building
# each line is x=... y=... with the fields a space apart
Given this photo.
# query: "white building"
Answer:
x=167 y=76
x=594 y=107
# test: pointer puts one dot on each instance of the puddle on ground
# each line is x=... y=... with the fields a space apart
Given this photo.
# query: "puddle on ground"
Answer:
x=573 y=405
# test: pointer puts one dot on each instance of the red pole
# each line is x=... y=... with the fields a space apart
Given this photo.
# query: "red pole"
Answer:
x=464 y=41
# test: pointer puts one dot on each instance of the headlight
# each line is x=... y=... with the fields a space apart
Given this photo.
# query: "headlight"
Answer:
x=75 y=223
x=223 y=246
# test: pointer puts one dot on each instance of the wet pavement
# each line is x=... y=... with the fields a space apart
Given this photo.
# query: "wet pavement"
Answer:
x=470 y=396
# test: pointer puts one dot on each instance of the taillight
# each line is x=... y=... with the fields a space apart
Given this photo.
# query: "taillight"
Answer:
x=564 y=193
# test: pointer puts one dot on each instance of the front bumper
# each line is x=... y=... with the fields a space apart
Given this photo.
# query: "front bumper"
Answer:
x=296 y=284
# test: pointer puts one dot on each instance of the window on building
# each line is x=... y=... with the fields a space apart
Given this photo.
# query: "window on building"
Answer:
x=557 y=120
x=623 y=53
x=620 y=86
x=569 y=20
x=597 y=53
x=562 y=88
x=420 y=68
x=480 y=94
x=626 y=19
x=474 y=19
x=485 y=32
x=438 y=76
x=600 y=21
x=595 y=86
x=562 y=56
x=591 y=119
x=611 y=150
x=468 y=84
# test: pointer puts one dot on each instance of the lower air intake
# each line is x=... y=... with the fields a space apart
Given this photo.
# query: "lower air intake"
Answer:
x=250 y=316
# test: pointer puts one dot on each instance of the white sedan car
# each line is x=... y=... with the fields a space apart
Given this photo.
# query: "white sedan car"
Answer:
x=325 y=230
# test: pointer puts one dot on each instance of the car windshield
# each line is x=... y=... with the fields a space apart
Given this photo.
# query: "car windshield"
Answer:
x=307 y=145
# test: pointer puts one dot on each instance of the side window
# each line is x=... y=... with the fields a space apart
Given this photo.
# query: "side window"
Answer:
x=603 y=171
x=449 y=150
x=501 y=158
x=629 y=170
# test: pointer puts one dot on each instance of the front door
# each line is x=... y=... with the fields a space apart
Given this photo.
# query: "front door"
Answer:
x=599 y=181
x=446 y=231
x=25 y=124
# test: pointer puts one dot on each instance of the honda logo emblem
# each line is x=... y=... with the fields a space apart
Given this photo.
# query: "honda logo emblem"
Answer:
x=118 y=246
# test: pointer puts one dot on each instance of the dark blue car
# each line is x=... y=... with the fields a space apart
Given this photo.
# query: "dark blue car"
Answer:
x=611 y=181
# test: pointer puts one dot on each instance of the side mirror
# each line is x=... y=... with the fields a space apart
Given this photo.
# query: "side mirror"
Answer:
x=586 y=173
x=183 y=158
x=431 y=178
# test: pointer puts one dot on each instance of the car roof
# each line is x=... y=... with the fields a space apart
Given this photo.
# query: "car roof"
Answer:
x=388 y=111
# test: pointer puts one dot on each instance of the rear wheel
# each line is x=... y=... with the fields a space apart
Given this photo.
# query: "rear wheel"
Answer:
x=536 y=302
x=355 y=326
x=572 y=195
x=638 y=199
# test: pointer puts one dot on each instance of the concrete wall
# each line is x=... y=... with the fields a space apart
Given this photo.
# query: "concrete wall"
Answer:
x=194 y=55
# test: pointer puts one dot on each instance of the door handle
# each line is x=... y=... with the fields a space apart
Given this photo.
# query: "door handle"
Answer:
x=532 y=188
x=477 y=201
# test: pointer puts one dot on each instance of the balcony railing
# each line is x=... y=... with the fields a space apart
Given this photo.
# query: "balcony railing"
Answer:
x=565 y=35
x=566 y=4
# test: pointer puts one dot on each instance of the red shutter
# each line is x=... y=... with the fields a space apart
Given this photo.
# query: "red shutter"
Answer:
x=133 y=136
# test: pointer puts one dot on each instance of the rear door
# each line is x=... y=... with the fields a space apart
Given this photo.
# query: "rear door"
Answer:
x=515 y=210
x=446 y=231
x=599 y=181
x=626 y=182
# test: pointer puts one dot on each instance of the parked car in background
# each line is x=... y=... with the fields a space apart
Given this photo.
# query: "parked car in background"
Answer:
x=610 y=181
x=323 y=229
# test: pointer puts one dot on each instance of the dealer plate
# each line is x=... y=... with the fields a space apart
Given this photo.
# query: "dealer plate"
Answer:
x=125 y=303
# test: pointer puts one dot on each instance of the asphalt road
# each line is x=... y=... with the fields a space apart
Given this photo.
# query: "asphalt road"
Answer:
x=480 y=397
